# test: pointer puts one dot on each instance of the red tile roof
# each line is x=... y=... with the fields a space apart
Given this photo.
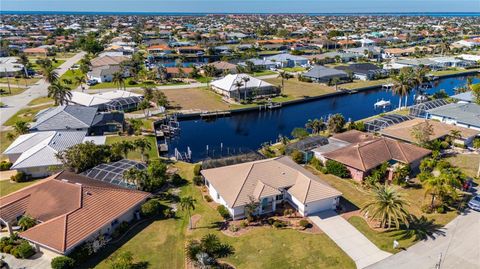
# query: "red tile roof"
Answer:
x=71 y=208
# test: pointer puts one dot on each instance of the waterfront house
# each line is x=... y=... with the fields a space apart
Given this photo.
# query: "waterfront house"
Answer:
x=460 y=114
x=364 y=71
x=70 y=210
x=35 y=153
x=269 y=182
x=242 y=86
x=362 y=157
x=464 y=97
x=107 y=101
x=287 y=60
x=259 y=64
x=322 y=74
x=340 y=140
x=223 y=67
x=403 y=131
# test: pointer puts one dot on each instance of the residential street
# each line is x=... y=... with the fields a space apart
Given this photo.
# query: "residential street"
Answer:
x=39 y=89
x=458 y=249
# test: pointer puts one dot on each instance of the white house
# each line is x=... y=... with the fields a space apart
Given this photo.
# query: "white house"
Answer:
x=269 y=182
x=242 y=86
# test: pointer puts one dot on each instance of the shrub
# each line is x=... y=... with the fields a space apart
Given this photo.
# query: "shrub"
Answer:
x=208 y=198
x=177 y=180
x=132 y=82
x=223 y=211
x=168 y=213
x=19 y=177
x=5 y=165
x=233 y=228
x=304 y=223
x=7 y=249
x=150 y=208
x=297 y=156
x=196 y=169
x=279 y=224
x=121 y=229
x=440 y=210
x=244 y=224
x=299 y=133
x=62 y=262
x=198 y=180
x=24 y=250
x=336 y=168
x=316 y=163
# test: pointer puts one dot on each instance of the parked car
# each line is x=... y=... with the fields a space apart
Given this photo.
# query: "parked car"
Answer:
x=475 y=203
x=92 y=82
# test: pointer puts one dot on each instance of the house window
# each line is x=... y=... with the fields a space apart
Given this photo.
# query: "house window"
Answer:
x=207 y=183
x=279 y=197
x=218 y=196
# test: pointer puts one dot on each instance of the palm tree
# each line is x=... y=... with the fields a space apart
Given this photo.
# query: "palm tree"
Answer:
x=26 y=222
x=238 y=84
x=125 y=147
x=387 y=205
x=59 y=93
x=402 y=87
x=118 y=80
x=187 y=203
x=335 y=81
x=21 y=127
x=419 y=77
x=50 y=74
x=143 y=145
x=441 y=186
x=245 y=79
x=80 y=80
x=284 y=76
x=444 y=46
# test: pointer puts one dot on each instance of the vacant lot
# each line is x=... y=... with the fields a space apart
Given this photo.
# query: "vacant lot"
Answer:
x=357 y=84
x=467 y=162
x=196 y=99
x=26 y=114
x=295 y=89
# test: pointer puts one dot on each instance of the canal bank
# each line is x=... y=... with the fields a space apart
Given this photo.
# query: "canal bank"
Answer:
x=249 y=128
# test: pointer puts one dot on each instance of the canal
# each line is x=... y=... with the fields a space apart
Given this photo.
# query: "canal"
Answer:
x=247 y=131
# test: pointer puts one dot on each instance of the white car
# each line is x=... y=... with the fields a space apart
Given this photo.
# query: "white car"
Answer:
x=475 y=203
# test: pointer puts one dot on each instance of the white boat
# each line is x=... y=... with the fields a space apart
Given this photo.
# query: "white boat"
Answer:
x=388 y=86
x=382 y=103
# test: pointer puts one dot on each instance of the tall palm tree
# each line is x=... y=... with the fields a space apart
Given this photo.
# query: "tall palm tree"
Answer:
x=143 y=145
x=187 y=204
x=387 y=205
x=80 y=80
x=441 y=186
x=284 y=76
x=238 y=84
x=118 y=80
x=59 y=93
x=21 y=127
x=125 y=147
x=402 y=86
x=245 y=80
x=444 y=46
x=419 y=77
x=50 y=74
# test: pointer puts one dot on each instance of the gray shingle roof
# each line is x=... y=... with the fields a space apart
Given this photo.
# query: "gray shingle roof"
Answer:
x=319 y=71
x=64 y=118
x=468 y=113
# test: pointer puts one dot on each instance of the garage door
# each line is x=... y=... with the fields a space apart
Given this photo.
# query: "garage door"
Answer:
x=318 y=206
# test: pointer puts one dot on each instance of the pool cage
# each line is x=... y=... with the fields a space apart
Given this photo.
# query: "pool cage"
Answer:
x=420 y=110
x=113 y=172
x=378 y=124
x=124 y=104
x=306 y=145
x=249 y=156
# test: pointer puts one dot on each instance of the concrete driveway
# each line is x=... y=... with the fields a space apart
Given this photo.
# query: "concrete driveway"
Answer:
x=458 y=249
x=39 y=89
x=354 y=243
x=40 y=260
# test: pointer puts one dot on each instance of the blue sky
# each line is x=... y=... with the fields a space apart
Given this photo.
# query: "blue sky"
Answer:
x=273 y=6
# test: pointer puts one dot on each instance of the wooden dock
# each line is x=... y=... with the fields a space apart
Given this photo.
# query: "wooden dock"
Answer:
x=215 y=114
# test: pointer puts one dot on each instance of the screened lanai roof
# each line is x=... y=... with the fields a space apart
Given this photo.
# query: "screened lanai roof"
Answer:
x=307 y=144
x=420 y=110
x=113 y=172
x=125 y=101
x=377 y=124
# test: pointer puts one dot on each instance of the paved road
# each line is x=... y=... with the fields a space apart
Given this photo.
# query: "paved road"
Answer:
x=459 y=248
x=39 y=89
x=354 y=243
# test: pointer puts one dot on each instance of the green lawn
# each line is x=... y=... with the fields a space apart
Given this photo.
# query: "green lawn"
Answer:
x=108 y=85
x=5 y=91
x=264 y=73
x=4 y=141
x=55 y=64
x=453 y=71
x=295 y=89
x=357 y=84
x=72 y=75
x=294 y=69
x=467 y=162
x=162 y=242
x=7 y=187
x=135 y=155
x=40 y=100
x=26 y=114
x=204 y=79
x=21 y=81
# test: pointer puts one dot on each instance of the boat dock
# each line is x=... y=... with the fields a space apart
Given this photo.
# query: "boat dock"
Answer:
x=215 y=114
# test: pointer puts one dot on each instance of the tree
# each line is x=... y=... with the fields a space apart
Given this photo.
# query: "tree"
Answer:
x=284 y=76
x=476 y=92
x=251 y=208
x=245 y=79
x=143 y=145
x=316 y=125
x=299 y=133
x=387 y=205
x=80 y=80
x=118 y=80
x=78 y=158
x=238 y=84
x=124 y=147
x=204 y=253
x=123 y=260
x=145 y=106
x=59 y=93
x=50 y=74
x=187 y=204
x=442 y=186
x=160 y=99
x=336 y=123
x=402 y=85
x=26 y=222
x=147 y=93
x=62 y=262
x=135 y=124
x=422 y=132
x=151 y=208
x=21 y=127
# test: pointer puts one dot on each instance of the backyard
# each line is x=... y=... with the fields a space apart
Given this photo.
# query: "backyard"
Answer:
x=295 y=89
x=162 y=242
x=196 y=99
x=136 y=155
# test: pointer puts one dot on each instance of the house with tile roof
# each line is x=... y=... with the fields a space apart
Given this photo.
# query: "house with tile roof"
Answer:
x=361 y=157
x=70 y=209
x=269 y=182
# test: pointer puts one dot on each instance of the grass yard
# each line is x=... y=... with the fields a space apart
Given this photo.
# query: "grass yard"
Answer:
x=295 y=89
x=294 y=69
x=358 y=84
x=135 y=155
x=108 y=85
x=467 y=162
x=71 y=75
x=21 y=81
x=196 y=99
x=162 y=243
x=5 y=91
x=4 y=141
x=26 y=114
x=40 y=100
x=264 y=73
x=7 y=187
x=453 y=71
x=37 y=68
x=204 y=79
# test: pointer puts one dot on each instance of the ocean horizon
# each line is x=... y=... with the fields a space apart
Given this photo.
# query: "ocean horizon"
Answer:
x=110 y=13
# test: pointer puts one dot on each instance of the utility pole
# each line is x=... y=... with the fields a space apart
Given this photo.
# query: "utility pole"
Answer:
x=8 y=81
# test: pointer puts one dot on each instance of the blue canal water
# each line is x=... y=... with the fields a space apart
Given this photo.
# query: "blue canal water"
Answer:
x=249 y=130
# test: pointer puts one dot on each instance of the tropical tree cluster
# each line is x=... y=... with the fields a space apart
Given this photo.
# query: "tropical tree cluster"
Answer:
x=149 y=179
x=205 y=252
